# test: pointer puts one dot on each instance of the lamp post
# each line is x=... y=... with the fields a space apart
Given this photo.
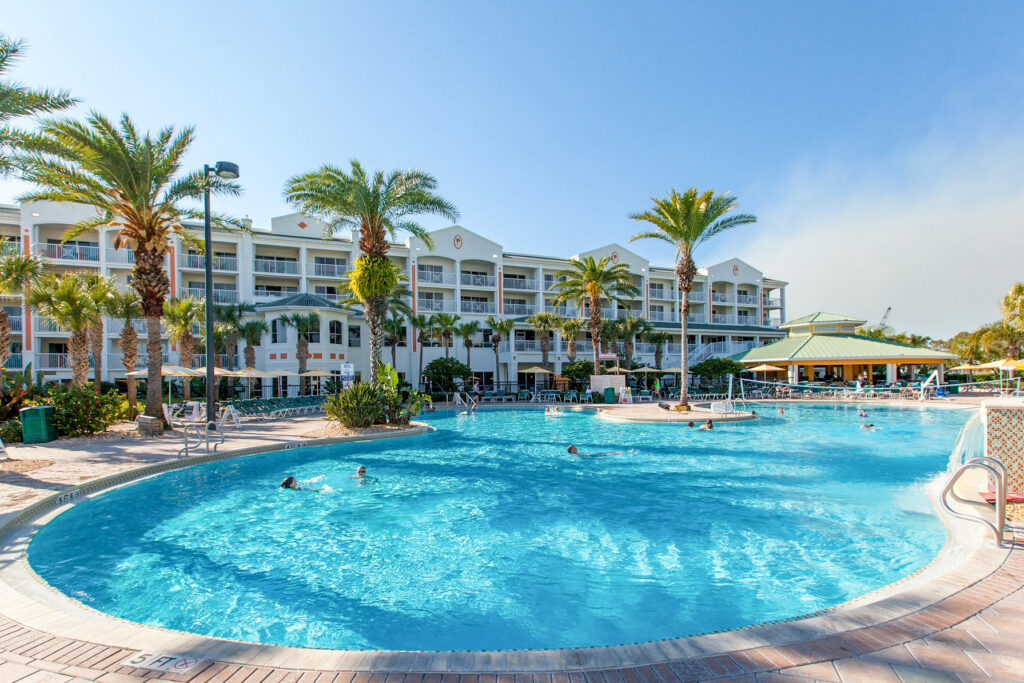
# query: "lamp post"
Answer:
x=228 y=171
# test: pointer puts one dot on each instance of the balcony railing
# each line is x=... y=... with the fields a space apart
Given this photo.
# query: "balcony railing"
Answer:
x=772 y=303
x=435 y=305
x=221 y=263
x=430 y=277
x=199 y=360
x=564 y=311
x=519 y=309
x=746 y=300
x=474 y=280
x=275 y=267
x=54 y=361
x=115 y=326
x=10 y=245
x=698 y=295
x=48 y=326
x=771 y=322
x=13 y=362
x=327 y=269
x=15 y=322
x=120 y=257
x=663 y=316
x=220 y=296
x=696 y=318
x=733 y=319
x=720 y=298
x=68 y=252
x=662 y=293
x=270 y=295
x=519 y=283
x=114 y=361
x=482 y=307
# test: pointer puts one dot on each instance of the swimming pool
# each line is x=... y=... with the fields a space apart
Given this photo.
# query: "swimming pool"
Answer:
x=486 y=534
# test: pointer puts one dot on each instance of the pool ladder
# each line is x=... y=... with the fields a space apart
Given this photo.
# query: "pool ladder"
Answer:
x=998 y=472
x=210 y=433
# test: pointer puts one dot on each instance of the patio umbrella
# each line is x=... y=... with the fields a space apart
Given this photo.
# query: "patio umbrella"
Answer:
x=618 y=371
x=319 y=374
x=765 y=368
x=646 y=370
x=966 y=367
x=535 y=371
x=221 y=372
x=252 y=373
x=168 y=371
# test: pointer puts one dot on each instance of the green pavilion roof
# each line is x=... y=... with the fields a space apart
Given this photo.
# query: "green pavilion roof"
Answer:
x=300 y=300
x=821 y=318
x=838 y=348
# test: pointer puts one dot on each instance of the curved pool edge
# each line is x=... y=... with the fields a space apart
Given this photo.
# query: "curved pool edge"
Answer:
x=949 y=589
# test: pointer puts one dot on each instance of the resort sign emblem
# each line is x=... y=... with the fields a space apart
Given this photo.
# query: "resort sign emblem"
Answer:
x=457 y=241
x=155 y=661
x=735 y=270
x=615 y=257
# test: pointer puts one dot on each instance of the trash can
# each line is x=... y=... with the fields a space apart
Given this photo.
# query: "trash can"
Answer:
x=37 y=424
x=609 y=394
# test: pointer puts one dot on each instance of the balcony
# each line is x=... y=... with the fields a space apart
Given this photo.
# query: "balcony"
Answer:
x=769 y=302
x=54 y=361
x=519 y=283
x=435 y=305
x=271 y=266
x=519 y=309
x=661 y=293
x=771 y=322
x=264 y=295
x=115 y=362
x=563 y=311
x=199 y=360
x=721 y=298
x=431 y=277
x=478 y=307
x=696 y=318
x=15 y=322
x=198 y=262
x=47 y=326
x=698 y=296
x=115 y=326
x=473 y=280
x=68 y=252
x=745 y=300
x=120 y=257
x=331 y=270
x=220 y=296
x=663 y=316
x=13 y=362
x=10 y=245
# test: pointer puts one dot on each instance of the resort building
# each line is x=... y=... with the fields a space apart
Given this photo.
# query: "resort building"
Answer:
x=825 y=346
x=291 y=266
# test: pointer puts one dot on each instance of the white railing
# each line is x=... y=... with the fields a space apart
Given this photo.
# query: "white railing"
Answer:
x=114 y=360
x=220 y=296
x=518 y=283
x=645 y=348
x=115 y=326
x=430 y=277
x=518 y=309
x=68 y=252
x=53 y=361
x=696 y=318
x=10 y=245
x=746 y=300
x=473 y=280
x=198 y=262
x=48 y=325
x=327 y=269
x=563 y=311
x=660 y=293
x=698 y=295
x=270 y=295
x=13 y=362
x=478 y=307
x=771 y=322
x=274 y=266
x=772 y=303
x=663 y=316
x=333 y=298
x=723 y=319
x=718 y=297
x=199 y=359
x=15 y=322
x=436 y=305
x=121 y=257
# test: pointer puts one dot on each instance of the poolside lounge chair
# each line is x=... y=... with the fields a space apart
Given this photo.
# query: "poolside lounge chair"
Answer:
x=645 y=395
x=587 y=397
x=488 y=396
x=524 y=395
x=572 y=396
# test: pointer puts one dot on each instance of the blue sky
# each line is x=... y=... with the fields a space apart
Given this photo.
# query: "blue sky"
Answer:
x=548 y=123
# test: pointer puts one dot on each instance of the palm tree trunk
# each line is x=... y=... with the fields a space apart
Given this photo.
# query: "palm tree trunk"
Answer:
x=419 y=377
x=96 y=344
x=394 y=355
x=130 y=354
x=545 y=349
x=469 y=350
x=78 y=348
x=186 y=351
x=571 y=350
x=657 y=356
x=150 y=280
x=250 y=362
x=685 y=271
x=375 y=310
x=5 y=339
x=629 y=352
x=303 y=350
x=595 y=331
x=154 y=383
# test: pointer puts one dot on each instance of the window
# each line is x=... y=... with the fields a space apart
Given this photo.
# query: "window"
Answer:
x=323 y=290
x=354 y=336
x=313 y=336
x=329 y=261
x=334 y=331
x=430 y=273
x=277 y=332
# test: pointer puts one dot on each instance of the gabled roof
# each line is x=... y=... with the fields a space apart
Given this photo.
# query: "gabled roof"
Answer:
x=821 y=318
x=839 y=348
x=300 y=300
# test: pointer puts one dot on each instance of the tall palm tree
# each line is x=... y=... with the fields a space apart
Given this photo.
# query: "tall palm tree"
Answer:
x=133 y=181
x=659 y=339
x=67 y=301
x=610 y=336
x=1002 y=340
x=181 y=315
x=543 y=325
x=444 y=326
x=1013 y=306
x=686 y=221
x=501 y=328
x=631 y=327
x=17 y=101
x=379 y=206
x=304 y=324
x=588 y=281
x=100 y=289
x=466 y=331
x=251 y=333
x=424 y=326
x=18 y=272
x=229 y=316
x=569 y=329
x=394 y=334
x=125 y=306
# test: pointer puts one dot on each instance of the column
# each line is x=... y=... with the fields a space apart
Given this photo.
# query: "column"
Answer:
x=890 y=373
x=942 y=373
x=794 y=374
x=303 y=272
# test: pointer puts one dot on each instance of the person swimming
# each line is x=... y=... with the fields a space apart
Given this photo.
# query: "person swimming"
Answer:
x=293 y=484
x=862 y=413
x=782 y=411
x=709 y=425
x=361 y=478
x=690 y=425
x=572 y=450
x=869 y=427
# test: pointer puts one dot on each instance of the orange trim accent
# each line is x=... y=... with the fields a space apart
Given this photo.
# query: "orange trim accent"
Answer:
x=412 y=281
x=501 y=295
x=174 y=285
x=26 y=330
x=273 y=356
x=341 y=356
x=317 y=355
x=284 y=356
x=332 y=356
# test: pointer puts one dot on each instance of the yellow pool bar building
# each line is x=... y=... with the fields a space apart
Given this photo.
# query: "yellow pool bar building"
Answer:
x=826 y=347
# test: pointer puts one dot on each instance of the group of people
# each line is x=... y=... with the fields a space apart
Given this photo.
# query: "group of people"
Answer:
x=360 y=476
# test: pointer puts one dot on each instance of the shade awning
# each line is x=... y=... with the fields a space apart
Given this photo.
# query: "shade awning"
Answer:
x=315 y=373
x=537 y=370
x=220 y=372
x=167 y=371
x=764 y=367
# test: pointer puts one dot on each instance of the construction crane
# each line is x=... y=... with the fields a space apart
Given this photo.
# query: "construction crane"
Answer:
x=885 y=317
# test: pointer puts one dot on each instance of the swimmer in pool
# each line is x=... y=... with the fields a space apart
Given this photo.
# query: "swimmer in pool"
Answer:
x=291 y=483
x=869 y=427
x=690 y=425
x=361 y=478
x=782 y=411
x=709 y=426
x=862 y=413
x=572 y=450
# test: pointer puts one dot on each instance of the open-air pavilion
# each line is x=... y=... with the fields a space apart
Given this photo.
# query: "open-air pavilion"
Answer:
x=825 y=347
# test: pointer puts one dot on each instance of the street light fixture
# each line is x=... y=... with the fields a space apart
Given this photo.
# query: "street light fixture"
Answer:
x=228 y=171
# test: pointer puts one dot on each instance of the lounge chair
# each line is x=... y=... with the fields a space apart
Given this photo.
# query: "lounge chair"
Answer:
x=645 y=395
x=587 y=397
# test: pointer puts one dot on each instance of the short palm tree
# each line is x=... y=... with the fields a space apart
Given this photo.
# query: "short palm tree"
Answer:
x=610 y=336
x=18 y=272
x=304 y=324
x=543 y=325
x=181 y=316
x=394 y=334
x=631 y=327
x=1013 y=306
x=501 y=328
x=100 y=289
x=17 y=101
x=1002 y=340
x=251 y=333
x=569 y=329
x=686 y=221
x=466 y=331
x=587 y=281
x=378 y=206
x=229 y=316
x=659 y=339
x=424 y=326
x=444 y=327
x=134 y=182
x=67 y=301
x=125 y=307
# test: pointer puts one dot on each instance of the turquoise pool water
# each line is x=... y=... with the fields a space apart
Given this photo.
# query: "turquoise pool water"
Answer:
x=486 y=534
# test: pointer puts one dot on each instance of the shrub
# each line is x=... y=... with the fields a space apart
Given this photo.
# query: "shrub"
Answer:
x=10 y=431
x=360 y=406
x=580 y=371
x=79 y=411
x=398 y=409
x=443 y=372
x=713 y=368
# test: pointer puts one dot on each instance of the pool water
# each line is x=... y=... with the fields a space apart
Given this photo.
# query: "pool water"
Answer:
x=486 y=534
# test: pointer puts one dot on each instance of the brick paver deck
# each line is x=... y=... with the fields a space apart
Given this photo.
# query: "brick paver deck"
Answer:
x=965 y=623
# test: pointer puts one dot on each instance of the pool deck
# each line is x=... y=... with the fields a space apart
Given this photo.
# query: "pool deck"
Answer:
x=960 y=619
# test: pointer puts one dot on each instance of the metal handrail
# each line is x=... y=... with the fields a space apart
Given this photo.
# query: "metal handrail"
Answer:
x=998 y=472
x=201 y=437
x=184 y=432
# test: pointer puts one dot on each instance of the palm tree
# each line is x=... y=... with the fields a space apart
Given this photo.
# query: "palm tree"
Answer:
x=444 y=326
x=229 y=316
x=100 y=289
x=18 y=101
x=251 y=333
x=304 y=324
x=133 y=181
x=378 y=206
x=569 y=329
x=424 y=326
x=1002 y=340
x=181 y=315
x=394 y=333
x=659 y=339
x=1013 y=306
x=67 y=301
x=466 y=331
x=500 y=329
x=124 y=306
x=588 y=281
x=686 y=221
x=631 y=327
x=610 y=336
x=18 y=272
x=543 y=325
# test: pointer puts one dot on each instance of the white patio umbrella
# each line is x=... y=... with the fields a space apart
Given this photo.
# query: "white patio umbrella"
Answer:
x=168 y=371
x=319 y=374
x=535 y=371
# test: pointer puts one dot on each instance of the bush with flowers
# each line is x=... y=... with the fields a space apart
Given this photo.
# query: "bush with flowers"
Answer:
x=80 y=410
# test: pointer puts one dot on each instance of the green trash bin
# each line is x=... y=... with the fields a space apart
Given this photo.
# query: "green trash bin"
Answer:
x=37 y=424
x=609 y=394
